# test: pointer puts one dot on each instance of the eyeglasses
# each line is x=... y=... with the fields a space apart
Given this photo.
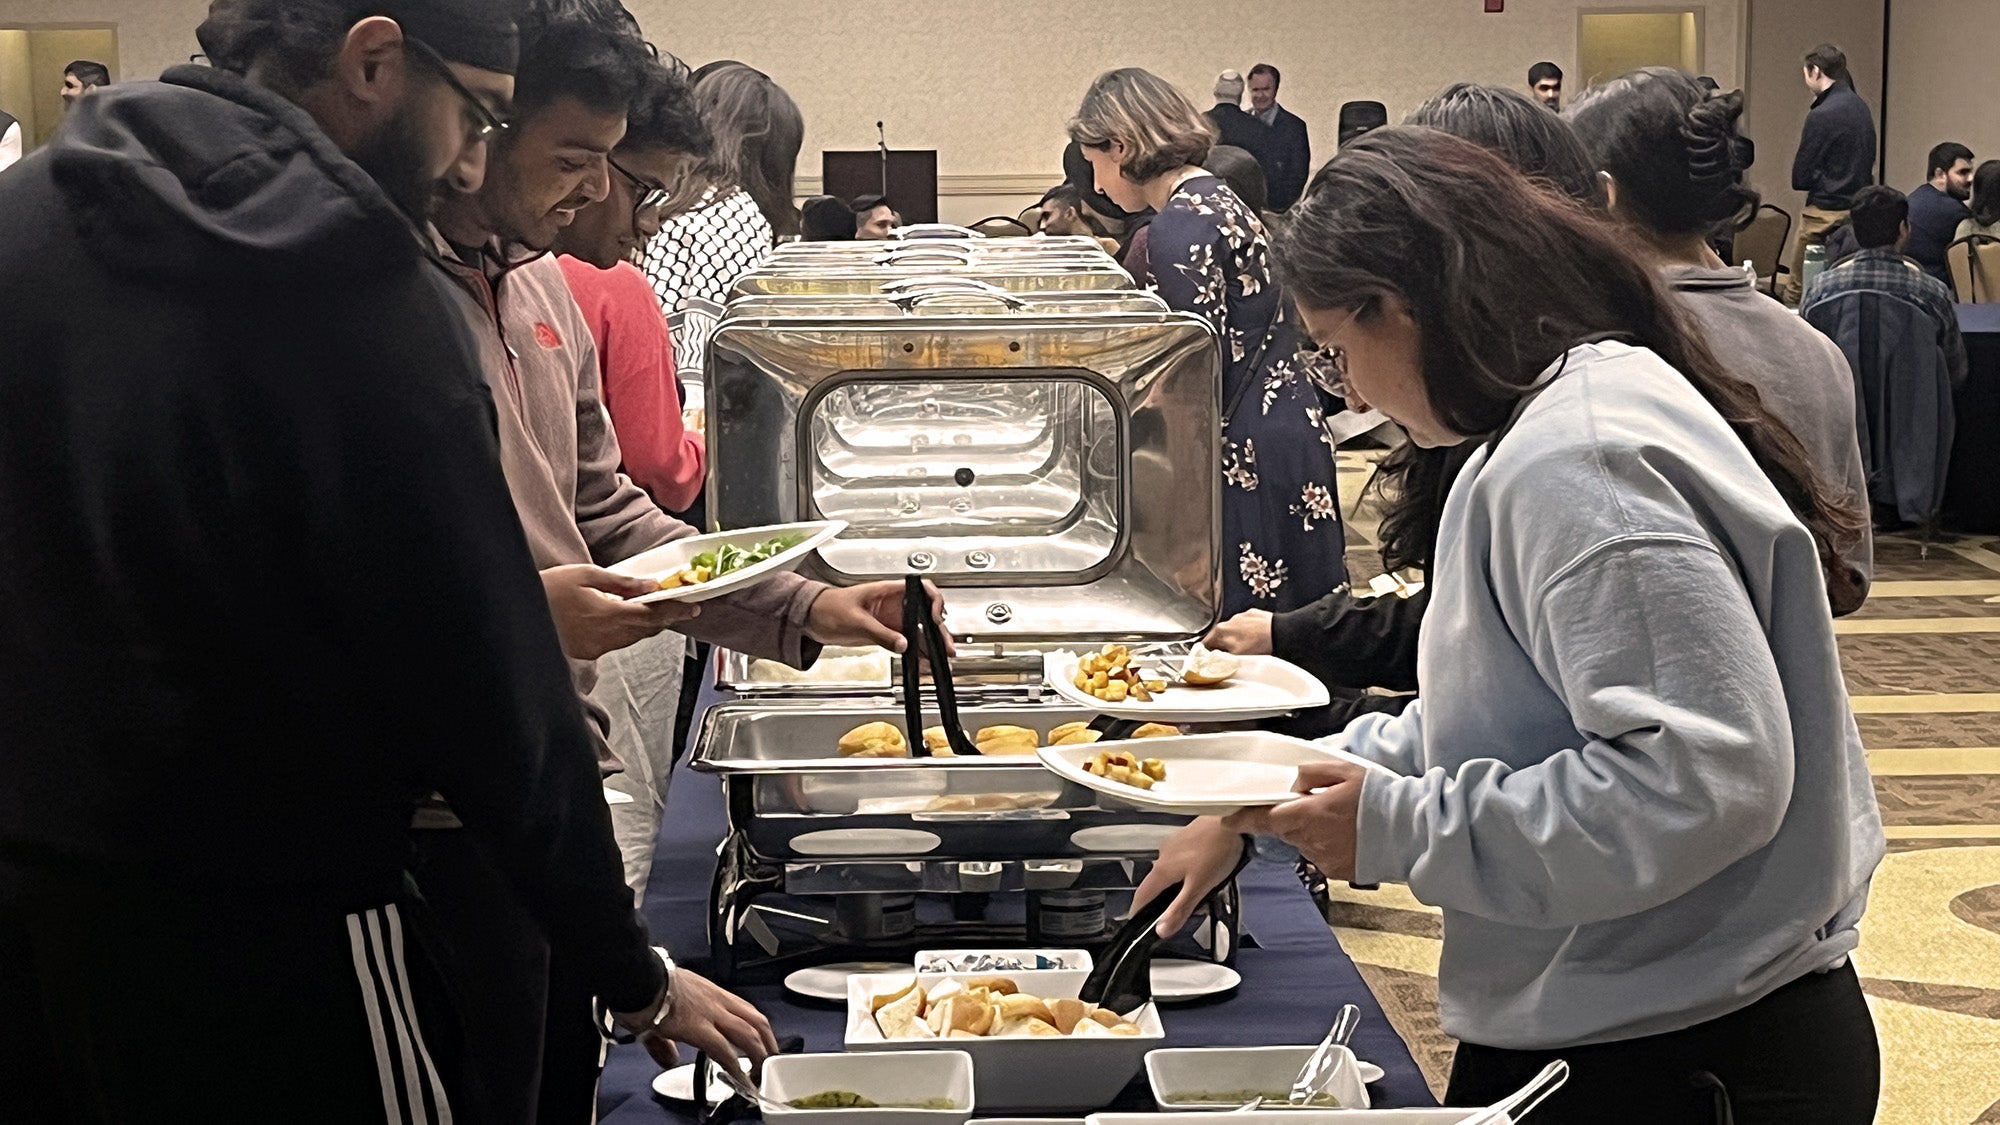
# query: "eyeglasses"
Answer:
x=646 y=194
x=1326 y=367
x=490 y=124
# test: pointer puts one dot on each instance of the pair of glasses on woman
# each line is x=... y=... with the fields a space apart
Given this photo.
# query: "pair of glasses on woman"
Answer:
x=486 y=125
x=1326 y=367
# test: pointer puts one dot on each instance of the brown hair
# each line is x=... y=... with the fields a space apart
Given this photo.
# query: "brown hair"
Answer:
x=1504 y=276
x=1157 y=122
x=756 y=130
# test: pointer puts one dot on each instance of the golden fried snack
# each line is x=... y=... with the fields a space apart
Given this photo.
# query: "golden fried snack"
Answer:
x=1021 y=1007
x=874 y=740
x=1157 y=730
x=1206 y=666
x=934 y=737
x=882 y=1000
x=1127 y=768
x=1066 y=730
x=1110 y=675
x=998 y=986
x=1068 y=1012
x=1006 y=740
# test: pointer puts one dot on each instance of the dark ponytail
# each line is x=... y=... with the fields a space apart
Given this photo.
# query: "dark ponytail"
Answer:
x=1503 y=277
x=1673 y=148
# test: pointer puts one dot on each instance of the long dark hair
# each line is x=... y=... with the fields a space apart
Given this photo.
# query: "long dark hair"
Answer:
x=1986 y=194
x=1503 y=277
x=1411 y=483
x=757 y=131
x=1673 y=148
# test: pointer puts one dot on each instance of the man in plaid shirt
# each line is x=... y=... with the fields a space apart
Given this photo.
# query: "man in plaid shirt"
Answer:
x=1881 y=221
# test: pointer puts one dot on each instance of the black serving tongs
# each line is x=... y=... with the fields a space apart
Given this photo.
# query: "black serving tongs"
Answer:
x=926 y=640
x=1123 y=978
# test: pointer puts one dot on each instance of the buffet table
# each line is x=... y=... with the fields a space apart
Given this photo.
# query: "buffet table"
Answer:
x=1295 y=976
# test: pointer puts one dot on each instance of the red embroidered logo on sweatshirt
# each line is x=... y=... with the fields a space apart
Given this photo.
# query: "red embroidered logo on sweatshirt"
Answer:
x=546 y=336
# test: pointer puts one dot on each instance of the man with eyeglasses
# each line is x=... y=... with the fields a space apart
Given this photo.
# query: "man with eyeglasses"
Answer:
x=533 y=1036
x=265 y=584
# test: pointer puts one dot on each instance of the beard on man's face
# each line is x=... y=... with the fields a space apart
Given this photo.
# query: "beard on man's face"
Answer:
x=397 y=159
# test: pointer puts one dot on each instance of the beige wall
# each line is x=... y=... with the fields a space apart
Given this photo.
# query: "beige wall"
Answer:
x=17 y=88
x=1611 y=45
x=49 y=51
x=1941 y=55
x=152 y=34
x=1780 y=34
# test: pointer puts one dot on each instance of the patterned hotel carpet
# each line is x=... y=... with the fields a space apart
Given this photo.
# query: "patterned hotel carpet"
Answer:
x=1923 y=667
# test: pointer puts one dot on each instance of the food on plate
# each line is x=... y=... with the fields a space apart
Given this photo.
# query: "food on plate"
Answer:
x=1006 y=740
x=1206 y=667
x=988 y=1008
x=1156 y=730
x=874 y=740
x=1322 y=1100
x=1109 y=674
x=1069 y=733
x=1127 y=768
x=729 y=558
x=848 y=1099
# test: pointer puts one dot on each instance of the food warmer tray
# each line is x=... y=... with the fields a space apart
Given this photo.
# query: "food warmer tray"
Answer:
x=1049 y=455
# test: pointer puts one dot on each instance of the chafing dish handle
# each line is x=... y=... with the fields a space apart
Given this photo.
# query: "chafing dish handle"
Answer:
x=925 y=635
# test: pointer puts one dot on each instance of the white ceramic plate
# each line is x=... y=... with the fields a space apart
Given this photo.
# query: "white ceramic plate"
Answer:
x=829 y=982
x=867 y=842
x=678 y=1085
x=1178 y=981
x=1262 y=687
x=667 y=558
x=1207 y=774
x=880 y=1077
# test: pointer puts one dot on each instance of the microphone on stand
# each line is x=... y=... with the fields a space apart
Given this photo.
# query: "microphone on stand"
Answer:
x=882 y=141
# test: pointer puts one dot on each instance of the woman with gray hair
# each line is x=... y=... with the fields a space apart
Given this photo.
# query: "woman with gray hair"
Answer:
x=1209 y=255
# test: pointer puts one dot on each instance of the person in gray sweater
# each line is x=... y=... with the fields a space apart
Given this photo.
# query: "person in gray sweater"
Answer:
x=1632 y=781
x=1673 y=163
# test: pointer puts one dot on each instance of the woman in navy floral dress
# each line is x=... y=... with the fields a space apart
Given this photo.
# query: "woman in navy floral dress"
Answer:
x=1282 y=539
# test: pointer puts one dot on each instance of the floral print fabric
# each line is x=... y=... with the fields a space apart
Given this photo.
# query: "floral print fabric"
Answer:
x=1283 y=545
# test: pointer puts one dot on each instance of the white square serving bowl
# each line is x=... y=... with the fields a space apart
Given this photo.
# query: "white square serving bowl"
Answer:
x=1177 y=1072
x=879 y=1077
x=1020 y=1072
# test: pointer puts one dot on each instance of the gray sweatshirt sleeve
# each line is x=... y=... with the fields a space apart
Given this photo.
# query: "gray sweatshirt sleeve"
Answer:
x=1684 y=767
x=1394 y=741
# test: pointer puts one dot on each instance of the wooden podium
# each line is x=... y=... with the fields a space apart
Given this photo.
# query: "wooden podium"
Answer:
x=912 y=176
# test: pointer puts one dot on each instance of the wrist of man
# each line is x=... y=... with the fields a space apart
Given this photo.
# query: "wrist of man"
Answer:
x=647 y=1023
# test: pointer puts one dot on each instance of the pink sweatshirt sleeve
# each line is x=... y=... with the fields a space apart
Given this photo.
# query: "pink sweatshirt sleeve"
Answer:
x=636 y=358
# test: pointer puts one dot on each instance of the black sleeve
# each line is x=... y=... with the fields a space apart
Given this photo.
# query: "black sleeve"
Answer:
x=1811 y=158
x=442 y=578
x=1349 y=642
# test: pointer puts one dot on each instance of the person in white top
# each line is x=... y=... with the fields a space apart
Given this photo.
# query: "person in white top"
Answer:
x=1632 y=780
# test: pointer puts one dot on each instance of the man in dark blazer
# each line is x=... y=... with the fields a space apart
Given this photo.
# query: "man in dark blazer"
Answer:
x=1287 y=152
x=1235 y=126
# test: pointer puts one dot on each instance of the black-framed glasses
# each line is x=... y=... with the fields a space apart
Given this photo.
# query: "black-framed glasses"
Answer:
x=646 y=194
x=491 y=125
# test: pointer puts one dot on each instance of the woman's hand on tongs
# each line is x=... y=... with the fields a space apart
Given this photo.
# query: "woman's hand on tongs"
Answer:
x=1199 y=857
x=869 y=614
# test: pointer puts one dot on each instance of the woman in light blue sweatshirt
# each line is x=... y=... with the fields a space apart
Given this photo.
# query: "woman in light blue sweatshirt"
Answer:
x=1632 y=783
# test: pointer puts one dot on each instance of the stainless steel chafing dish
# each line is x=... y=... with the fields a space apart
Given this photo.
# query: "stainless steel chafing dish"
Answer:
x=862 y=269
x=1050 y=457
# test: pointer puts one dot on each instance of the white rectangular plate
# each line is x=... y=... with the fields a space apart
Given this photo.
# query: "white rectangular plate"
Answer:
x=665 y=559
x=1207 y=774
x=1263 y=687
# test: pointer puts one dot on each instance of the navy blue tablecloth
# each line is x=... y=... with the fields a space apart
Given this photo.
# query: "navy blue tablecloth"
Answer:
x=1971 y=503
x=1294 y=979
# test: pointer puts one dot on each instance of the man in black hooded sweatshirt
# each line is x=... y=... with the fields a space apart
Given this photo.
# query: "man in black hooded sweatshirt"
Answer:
x=265 y=587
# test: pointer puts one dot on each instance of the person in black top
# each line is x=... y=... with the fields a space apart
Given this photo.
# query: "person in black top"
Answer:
x=1938 y=207
x=1836 y=156
x=266 y=588
x=1287 y=151
x=1233 y=126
